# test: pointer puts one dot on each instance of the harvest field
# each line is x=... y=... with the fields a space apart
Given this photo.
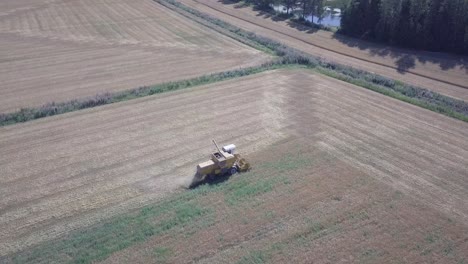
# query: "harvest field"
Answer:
x=444 y=73
x=57 y=50
x=340 y=174
x=109 y=159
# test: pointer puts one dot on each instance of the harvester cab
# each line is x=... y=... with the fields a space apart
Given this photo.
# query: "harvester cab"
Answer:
x=229 y=148
x=222 y=162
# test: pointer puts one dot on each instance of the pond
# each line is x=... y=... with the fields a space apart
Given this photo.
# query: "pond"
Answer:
x=331 y=18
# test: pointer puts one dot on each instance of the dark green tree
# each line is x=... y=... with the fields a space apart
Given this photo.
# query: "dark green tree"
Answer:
x=437 y=25
x=289 y=4
x=311 y=7
x=403 y=30
x=262 y=4
x=353 y=20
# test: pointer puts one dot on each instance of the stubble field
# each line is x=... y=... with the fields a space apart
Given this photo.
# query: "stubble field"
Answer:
x=66 y=172
x=340 y=174
x=63 y=50
x=342 y=147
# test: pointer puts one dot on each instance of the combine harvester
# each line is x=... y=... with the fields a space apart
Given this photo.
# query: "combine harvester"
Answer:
x=223 y=162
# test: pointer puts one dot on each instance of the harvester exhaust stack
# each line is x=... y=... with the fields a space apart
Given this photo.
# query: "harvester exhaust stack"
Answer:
x=216 y=145
x=223 y=162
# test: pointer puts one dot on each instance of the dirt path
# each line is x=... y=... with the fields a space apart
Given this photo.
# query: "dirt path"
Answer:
x=62 y=50
x=446 y=74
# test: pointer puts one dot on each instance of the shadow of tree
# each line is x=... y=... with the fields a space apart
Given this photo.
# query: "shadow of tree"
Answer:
x=268 y=14
x=405 y=63
x=406 y=59
x=241 y=5
x=301 y=27
x=263 y=13
x=277 y=18
x=230 y=2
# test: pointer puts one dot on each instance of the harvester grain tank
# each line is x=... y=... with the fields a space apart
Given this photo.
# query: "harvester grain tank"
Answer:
x=222 y=162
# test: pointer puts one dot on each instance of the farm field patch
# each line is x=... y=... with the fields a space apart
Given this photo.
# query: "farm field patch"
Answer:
x=344 y=172
x=305 y=205
x=62 y=50
x=443 y=73
x=71 y=170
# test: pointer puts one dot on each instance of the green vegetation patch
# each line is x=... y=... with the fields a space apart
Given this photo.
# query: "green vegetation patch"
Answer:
x=121 y=232
x=312 y=231
x=245 y=189
x=288 y=163
x=254 y=257
x=267 y=176
x=162 y=254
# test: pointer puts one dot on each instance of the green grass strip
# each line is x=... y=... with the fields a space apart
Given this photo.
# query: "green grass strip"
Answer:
x=99 y=242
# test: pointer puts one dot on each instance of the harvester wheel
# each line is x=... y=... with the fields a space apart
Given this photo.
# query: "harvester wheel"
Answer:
x=233 y=171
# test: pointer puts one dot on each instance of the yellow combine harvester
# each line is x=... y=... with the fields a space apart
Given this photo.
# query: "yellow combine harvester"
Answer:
x=222 y=162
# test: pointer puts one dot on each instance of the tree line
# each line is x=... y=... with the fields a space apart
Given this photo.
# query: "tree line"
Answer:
x=435 y=25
